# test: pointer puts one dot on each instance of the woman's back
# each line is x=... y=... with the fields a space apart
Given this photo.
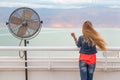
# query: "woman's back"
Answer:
x=85 y=47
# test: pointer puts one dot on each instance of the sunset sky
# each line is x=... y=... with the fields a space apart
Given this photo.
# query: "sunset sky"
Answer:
x=67 y=13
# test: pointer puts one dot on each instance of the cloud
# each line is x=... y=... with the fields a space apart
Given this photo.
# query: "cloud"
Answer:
x=70 y=1
x=21 y=4
x=114 y=6
x=37 y=5
x=44 y=3
x=56 y=1
x=63 y=4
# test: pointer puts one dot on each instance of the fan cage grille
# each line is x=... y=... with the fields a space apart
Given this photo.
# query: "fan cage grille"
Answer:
x=31 y=20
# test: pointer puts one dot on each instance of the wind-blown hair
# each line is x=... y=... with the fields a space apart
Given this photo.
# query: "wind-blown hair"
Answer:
x=92 y=36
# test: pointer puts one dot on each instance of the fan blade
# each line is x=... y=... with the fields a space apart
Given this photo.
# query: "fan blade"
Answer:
x=27 y=14
x=32 y=24
x=15 y=20
x=22 y=30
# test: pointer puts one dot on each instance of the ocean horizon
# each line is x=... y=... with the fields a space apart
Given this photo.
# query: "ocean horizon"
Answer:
x=52 y=37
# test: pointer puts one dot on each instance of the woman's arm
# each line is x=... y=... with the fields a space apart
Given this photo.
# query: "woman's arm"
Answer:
x=74 y=37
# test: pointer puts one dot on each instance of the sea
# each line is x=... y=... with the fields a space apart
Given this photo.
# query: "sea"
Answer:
x=52 y=37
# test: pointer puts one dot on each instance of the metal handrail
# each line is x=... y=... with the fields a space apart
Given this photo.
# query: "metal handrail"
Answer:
x=37 y=48
x=54 y=48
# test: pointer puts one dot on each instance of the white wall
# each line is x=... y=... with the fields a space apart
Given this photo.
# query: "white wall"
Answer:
x=53 y=69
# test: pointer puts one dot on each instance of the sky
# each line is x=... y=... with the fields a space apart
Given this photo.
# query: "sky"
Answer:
x=62 y=18
x=54 y=3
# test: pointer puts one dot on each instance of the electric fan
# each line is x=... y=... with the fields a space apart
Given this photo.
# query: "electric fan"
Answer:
x=24 y=23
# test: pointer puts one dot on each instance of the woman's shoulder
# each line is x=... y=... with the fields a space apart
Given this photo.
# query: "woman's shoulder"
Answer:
x=81 y=37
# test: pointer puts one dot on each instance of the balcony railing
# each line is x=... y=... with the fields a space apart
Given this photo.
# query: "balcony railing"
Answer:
x=110 y=60
x=34 y=48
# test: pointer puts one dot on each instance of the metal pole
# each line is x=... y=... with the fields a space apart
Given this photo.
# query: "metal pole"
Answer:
x=26 y=70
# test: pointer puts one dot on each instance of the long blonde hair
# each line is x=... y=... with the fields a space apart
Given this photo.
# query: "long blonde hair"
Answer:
x=92 y=36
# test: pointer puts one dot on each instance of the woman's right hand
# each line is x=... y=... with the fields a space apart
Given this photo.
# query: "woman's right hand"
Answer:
x=74 y=37
x=73 y=34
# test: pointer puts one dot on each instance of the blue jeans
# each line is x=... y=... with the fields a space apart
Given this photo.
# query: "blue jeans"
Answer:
x=86 y=70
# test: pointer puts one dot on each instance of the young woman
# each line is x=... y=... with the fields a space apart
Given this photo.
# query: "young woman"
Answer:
x=87 y=44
